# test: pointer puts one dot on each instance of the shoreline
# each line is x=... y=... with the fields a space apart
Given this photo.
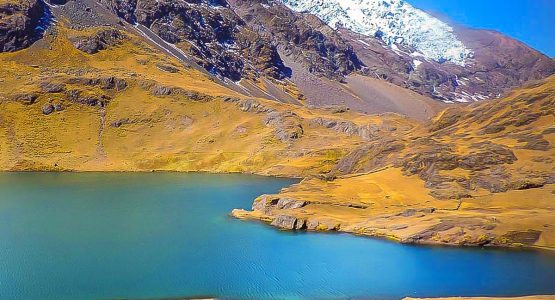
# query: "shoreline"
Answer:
x=389 y=206
x=237 y=214
x=153 y=171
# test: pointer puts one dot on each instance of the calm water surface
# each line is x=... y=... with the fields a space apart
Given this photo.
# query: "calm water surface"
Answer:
x=99 y=236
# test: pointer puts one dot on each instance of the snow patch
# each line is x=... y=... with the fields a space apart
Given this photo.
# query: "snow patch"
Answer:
x=416 y=63
x=393 y=21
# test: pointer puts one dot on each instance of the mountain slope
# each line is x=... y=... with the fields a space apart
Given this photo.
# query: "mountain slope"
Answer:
x=479 y=175
x=493 y=63
x=323 y=64
x=130 y=106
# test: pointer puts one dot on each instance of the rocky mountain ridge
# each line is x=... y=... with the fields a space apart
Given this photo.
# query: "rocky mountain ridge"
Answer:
x=267 y=42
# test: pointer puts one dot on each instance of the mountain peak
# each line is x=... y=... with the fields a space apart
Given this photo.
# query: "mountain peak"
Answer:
x=393 y=21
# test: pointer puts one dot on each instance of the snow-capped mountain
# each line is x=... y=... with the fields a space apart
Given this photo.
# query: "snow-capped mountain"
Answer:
x=394 y=21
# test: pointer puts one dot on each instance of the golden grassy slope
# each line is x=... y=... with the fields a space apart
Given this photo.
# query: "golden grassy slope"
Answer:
x=138 y=130
x=456 y=183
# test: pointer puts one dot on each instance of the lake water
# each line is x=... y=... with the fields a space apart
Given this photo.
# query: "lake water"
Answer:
x=101 y=236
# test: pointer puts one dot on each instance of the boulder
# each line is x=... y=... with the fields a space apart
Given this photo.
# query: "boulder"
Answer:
x=285 y=222
x=311 y=224
x=48 y=109
x=264 y=203
x=301 y=224
x=120 y=122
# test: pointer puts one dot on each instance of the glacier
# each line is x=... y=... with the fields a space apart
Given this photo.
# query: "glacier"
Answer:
x=393 y=21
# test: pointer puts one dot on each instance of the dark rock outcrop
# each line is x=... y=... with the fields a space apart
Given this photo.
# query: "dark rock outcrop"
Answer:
x=18 y=22
x=101 y=40
x=162 y=90
x=52 y=87
x=105 y=83
x=26 y=98
x=87 y=98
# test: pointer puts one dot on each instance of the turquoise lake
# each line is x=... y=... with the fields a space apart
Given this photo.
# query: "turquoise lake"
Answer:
x=163 y=235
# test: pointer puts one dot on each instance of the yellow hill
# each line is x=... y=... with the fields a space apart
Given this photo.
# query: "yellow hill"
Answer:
x=479 y=175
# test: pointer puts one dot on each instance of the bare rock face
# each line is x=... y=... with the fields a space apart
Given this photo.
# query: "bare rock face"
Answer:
x=238 y=39
x=285 y=222
x=287 y=125
x=101 y=40
x=221 y=42
x=267 y=203
x=501 y=63
x=18 y=22
x=498 y=63
x=304 y=37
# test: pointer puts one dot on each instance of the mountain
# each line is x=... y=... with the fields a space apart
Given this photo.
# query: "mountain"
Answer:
x=255 y=87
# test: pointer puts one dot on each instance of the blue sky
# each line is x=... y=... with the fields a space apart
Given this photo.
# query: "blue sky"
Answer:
x=530 y=21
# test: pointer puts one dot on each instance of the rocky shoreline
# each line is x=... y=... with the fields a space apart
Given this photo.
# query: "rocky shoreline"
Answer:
x=320 y=206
